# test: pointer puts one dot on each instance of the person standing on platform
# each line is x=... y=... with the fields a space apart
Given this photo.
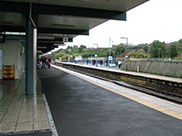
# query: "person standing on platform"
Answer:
x=49 y=63
x=46 y=62
x=43 y=62
x=119 y=64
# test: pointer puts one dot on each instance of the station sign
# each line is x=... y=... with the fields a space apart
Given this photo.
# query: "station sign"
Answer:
x=109 y=57
x=65 y=39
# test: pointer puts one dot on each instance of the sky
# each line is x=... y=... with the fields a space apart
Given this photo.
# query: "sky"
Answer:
x=153 y=20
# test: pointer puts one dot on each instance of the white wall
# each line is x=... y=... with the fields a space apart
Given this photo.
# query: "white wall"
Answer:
x=13 y=55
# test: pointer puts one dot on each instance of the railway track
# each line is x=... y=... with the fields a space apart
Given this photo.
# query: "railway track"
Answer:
x=145 y=89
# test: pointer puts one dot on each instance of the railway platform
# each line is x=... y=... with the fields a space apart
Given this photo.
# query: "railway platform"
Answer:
x=117 y=70
x=20 y=114
x=170 y=88
x=84 y=105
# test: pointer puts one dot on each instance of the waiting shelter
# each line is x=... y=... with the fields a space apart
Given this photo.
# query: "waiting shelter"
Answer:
x=28 y=28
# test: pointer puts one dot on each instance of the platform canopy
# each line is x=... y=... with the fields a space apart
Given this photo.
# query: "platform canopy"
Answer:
x=59 y=21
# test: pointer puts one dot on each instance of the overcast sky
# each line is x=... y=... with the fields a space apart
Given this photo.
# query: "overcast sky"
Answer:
x=153 y=20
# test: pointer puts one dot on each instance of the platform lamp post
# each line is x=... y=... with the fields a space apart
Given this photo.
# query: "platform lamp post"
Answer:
x=159 y=53
x=126 y=40
x=97 y=45
x=148 y=52
x=96 y=60
x=126 y=56
x=109 y=57
x=71 y=58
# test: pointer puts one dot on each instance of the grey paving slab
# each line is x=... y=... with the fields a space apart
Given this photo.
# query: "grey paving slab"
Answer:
x=80 y=108
x=33 y=134
x=148 y=100
x=22 y=115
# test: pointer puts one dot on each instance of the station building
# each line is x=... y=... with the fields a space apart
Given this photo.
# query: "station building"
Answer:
x=47 y=24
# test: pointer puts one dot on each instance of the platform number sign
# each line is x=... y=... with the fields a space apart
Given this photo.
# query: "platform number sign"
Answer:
x=65 y=39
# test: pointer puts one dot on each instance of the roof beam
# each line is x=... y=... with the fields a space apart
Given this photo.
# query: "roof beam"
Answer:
x=17 y=37
x=45 y=50
x=45 y=44
x=46 y=47
x=63 y=31
x=61 y=39
x=12 y=29
x=75 y=11
x=61 y=10
x=54 y=40
x=44 y=30
x=8 y=6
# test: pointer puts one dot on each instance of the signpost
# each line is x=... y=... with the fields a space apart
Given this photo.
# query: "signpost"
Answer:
x=126 y=59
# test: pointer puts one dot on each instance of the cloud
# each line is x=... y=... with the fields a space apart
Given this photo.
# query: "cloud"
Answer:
x=153 y=20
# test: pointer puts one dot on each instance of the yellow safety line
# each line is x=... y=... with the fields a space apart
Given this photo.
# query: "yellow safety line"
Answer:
x=134 y=98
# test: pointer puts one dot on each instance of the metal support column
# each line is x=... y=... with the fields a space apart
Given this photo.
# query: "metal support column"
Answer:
x=30 y=59
x=34 y=60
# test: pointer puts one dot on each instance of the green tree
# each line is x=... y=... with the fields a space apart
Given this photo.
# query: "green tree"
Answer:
x=180 y=42
x=119 y=50
x=75 y=48
x=146 y=48
x=112 y=53
x=138 y=54
x=81 y=48
x=173 y=51
x=85 y=55
x=158 y=49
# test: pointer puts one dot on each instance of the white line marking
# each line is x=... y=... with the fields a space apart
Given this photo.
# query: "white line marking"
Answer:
x=51 y=121
x=119 y=90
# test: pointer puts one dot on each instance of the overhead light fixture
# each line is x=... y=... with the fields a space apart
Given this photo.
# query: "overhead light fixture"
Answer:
x=46 y=37
x=63 y=25
x=6 y=23
x=56 y=44
x=39 y=51
x=42 y=47
x=15 y=33
x=94 y=0
x=58 y=35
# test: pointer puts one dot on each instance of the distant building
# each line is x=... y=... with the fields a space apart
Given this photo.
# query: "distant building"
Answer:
x=78 y=58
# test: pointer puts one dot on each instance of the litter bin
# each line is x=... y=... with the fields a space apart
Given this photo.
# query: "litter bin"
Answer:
x=8 y=71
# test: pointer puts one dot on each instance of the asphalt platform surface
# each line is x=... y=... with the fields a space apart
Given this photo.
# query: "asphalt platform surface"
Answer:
x=80 y=108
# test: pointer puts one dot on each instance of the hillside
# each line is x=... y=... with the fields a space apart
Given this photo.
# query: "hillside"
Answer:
x=156 y=49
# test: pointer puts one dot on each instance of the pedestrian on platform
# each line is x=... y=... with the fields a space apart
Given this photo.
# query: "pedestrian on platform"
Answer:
x=119 y=64
x=43 y=62
x=49 y=63
x=46 y=62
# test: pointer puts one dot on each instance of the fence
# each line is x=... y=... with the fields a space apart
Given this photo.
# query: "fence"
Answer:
x=160 y=67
